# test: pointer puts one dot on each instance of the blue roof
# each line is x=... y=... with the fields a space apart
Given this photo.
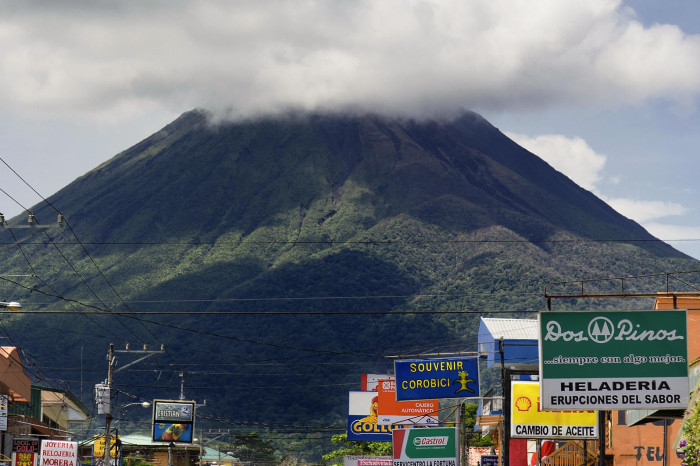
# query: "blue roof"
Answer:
x=520 y=341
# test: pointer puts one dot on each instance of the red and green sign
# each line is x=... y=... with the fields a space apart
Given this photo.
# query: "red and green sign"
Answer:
x=425 y=447
x=613 y=360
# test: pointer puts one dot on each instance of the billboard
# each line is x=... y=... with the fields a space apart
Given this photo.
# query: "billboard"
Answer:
x=527 y=420
x=363 y=425
x=24 y=452
x=422 y=447
x=370 y=381
x=391 y=411
x=613 y=360
x=367 y=460
x=59 y=453
x=173 y=421
x=423 y=379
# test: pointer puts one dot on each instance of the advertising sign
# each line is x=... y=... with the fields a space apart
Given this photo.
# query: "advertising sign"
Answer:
x=24 y=452
x=363 y=411
x=173 y=421
x=488 y=460
x=370 y=381
x=431 y=446
x=24 y=459
x=25 y=445
x=528 y=421
x=404 y=412
x=423 y=379
x=360 y=460
x=98 y=446
x=3 y=412
x=613 y=360
x=59 y=453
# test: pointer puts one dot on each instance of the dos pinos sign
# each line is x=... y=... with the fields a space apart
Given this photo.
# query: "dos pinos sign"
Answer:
x=613 y=360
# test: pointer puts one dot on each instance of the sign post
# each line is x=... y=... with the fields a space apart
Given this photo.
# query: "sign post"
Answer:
x=613 y=360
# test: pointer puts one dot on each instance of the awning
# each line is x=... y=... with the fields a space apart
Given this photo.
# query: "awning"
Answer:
x=14 y=382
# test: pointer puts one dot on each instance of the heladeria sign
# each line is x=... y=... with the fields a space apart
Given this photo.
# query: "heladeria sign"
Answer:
x=613 y=360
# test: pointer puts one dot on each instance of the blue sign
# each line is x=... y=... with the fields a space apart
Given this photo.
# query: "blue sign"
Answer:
x=489 y=460
x=426 y=379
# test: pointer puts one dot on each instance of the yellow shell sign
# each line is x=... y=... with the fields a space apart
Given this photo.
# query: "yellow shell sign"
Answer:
x=527 y=420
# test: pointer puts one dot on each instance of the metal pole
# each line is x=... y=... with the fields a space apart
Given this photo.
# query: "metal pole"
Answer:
x=108 y=414
x=201 y=447
x=460 y=433
x=505 y=435
x=601 y=437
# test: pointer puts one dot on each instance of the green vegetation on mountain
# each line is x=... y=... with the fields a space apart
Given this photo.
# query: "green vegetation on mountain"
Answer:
x=361 y=237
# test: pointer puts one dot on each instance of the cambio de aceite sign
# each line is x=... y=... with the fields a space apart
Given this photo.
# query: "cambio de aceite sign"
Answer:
x=527 y=420
x=613 y=360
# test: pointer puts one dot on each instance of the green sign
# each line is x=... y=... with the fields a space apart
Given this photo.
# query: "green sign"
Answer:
x=613 y=360
x=430 y=446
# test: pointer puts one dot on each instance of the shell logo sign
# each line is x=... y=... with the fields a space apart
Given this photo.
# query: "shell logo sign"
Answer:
x=529 y=421
x=523 y=403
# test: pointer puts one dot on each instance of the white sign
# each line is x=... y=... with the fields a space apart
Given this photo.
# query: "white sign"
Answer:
x=3 y=412
x=59 y=453
x=613 y=360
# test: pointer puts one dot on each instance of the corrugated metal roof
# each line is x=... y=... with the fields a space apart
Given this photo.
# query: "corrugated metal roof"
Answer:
x=512 y=329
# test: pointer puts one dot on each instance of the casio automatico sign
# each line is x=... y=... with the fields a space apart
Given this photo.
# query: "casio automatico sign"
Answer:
x=613 y=360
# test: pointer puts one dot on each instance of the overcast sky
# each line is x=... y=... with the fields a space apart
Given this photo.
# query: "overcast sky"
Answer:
x=605 y=91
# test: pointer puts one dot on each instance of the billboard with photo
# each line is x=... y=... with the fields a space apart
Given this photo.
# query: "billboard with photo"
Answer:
x=363 y=412
x=173 y=421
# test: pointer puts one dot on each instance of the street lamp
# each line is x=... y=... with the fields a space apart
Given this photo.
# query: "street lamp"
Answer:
x=11 y=306
x=143 y=404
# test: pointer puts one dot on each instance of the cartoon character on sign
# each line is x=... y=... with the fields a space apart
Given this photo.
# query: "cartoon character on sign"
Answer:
x=463 y=381
x=374 y=412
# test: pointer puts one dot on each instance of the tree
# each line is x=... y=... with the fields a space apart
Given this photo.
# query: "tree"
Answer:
x=251 y=449
x=351 y=447
x=469 y=419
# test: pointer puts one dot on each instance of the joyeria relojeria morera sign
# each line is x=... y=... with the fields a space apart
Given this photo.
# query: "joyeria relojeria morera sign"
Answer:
x=613 y=360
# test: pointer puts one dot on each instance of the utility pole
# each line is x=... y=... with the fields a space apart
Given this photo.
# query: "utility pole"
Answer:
x=108 y=414
x=104 y=391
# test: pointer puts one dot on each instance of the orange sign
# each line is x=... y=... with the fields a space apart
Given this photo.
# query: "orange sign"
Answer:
x=390 y=411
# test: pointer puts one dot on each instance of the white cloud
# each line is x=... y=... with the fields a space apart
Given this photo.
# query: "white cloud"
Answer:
x=400 y=56
x=571 y=156
x=576 y=159
x=644 y=211
x=683 y=238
